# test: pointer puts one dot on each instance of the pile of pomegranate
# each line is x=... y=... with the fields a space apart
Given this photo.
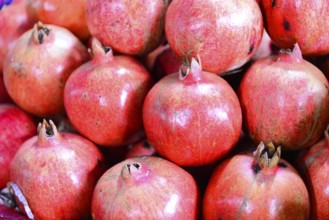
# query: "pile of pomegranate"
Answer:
x=164 y=109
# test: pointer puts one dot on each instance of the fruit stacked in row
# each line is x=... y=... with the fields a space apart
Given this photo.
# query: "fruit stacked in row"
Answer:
x=191 y=84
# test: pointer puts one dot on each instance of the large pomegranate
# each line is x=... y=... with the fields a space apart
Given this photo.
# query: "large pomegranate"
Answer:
x=285 y=100
x=262 y=186
x=304 y=22
x=129 y=27
x=313 y=164
x=16 y=126
x=104 y=97
x=68 y=14
x=225 y=34
x=56 y=173
x=192 y=117
x=145 y=188
x=37 y=67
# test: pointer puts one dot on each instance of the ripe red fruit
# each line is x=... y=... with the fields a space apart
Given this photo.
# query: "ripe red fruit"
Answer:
x=61 y=168
x=192 y=117
x=259 y=186
x=290 y=22
x=145 y=188
x=37 y=67
x=67 y=14
x=104 y=97
x=285 y=100
x=16 y=126
x=134 y=28
x=313 y=164
x=225 y=34
x=142 y=148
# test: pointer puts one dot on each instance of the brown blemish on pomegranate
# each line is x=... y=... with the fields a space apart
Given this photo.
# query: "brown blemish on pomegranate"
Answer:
x=273 y=3
x=251 y=49
x=286 y=25
x=147 y=145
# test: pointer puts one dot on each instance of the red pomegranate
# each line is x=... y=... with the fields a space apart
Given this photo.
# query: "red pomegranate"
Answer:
x=61 y=168
x=67 y=14
x=142 y=148
x=313 y=164
x=285 y=100
x=192 y=117
x=134 y=28
x=10 y=214
x=16 y=126
x=104 y=97
x=37 y=67
x=304 y=22
x=225 y=34
x=14 y=21
x=145 y=188
x=259 y=186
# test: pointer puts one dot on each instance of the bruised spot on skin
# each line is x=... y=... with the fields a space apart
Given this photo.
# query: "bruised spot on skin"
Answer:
x=251 y=49
x=286 y=25
x=273 y=3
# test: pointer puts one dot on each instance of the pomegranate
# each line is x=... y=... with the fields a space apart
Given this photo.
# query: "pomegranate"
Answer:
x=59 y=167
x=145 y=188
x=290 y=22
x=14 y=21
x=37 y=67
x=67 y=14
x=192 y=117
x=225 y=34
x=142 y=148
x=313 y=164
x=285 y=100
x=104 y=97
x=134 y=28
x=10 y=214
x=16 y=126
x=266 y=48
x=259 y=186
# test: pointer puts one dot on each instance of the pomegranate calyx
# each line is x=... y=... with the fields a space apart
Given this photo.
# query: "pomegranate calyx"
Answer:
x=191 y=73
x=266 y=156
x=47 y=130
x=100 y=52
x=291 y=56
x=20 y=199
x=40 y=32
x=129 y=171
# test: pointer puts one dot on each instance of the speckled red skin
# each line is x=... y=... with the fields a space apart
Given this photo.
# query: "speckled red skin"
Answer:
x=285 y=99
x=57 y=175
x=313 y=164
x=194 y=121
x=224 y=33
x=142 y=148
x=35 y=73
x=129 y=27
x=236 y=192
x=16 y=126
x=68 y=14
x=104 y=98
x=159 y=189
x=305 y=22
x=14 y=21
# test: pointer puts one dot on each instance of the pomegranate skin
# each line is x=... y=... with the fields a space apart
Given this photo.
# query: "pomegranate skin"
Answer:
x=10 y=214
x=225 y=34
x=16 y=126
x=14 y=21
x=286 y=23
x=194 y=120
x=313 y=164
x=104 y=98
x=67 y=14
x=285 y=100
x=133 y=28
x=142 y=148
x=61 y=168
x=36 y=69
x=145 y=188
x=235 y=191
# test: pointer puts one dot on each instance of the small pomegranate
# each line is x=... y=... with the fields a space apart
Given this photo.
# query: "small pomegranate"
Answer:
x=225 y=34
x=285 y=100
x=16 y=126
x=290 y=22
x=259 y=186
x=192 y=117
x=67 y=14
x=142 y=148
x=145 y=188
x=61 y=168
x=313 y=164
x=37 y=67
x=133 y=28
x=104 y=97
